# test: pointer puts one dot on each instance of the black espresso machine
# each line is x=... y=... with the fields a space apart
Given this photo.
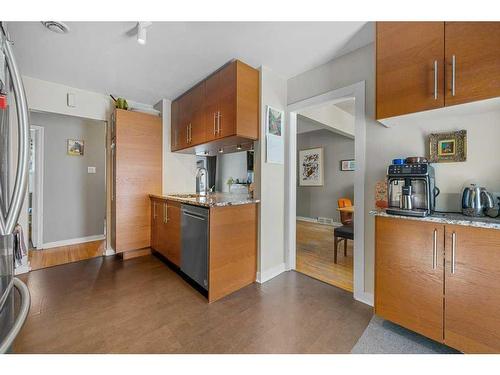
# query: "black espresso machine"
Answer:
x=411 y=189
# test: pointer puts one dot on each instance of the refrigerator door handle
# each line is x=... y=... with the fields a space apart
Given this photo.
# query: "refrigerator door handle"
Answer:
x=23 y=313
x=8 y=224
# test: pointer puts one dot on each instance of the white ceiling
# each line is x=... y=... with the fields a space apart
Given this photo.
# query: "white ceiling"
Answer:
x=105 y=57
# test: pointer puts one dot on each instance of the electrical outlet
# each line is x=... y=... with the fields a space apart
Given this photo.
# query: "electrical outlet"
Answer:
x=91 y=169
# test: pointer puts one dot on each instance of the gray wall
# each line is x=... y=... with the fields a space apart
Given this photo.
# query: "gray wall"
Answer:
x=74 y=202
x=321 y=201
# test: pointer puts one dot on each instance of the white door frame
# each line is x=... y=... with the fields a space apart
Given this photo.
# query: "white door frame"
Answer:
x=356 y=91
x=37 y=198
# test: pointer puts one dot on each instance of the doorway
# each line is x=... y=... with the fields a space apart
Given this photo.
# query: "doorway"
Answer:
x=356 y=91
x=67 y=200
x=325 y=193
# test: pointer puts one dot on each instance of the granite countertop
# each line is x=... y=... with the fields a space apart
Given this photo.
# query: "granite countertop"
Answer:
x=448 y=218
x=210 y=200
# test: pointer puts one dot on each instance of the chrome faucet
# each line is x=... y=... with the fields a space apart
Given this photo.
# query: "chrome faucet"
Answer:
x=202 y=187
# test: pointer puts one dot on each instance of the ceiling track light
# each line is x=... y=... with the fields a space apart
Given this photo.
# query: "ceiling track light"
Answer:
x=221 y=150
x=142 y=29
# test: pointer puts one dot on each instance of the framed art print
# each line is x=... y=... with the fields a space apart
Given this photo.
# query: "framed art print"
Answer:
x=311 y=168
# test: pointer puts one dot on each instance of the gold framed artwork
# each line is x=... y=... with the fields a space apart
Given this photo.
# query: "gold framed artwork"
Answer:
x=448 y=147
x=75 y=147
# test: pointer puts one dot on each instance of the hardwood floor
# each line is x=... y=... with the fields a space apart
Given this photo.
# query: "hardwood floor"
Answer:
x=65 y=254
x=315 y=255
x=105 y=305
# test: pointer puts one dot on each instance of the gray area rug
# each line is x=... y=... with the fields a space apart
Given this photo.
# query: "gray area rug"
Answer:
x=384 y=337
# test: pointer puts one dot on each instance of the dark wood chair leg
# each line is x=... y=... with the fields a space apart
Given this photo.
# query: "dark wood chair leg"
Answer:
x=345 y=247
x=335 y=246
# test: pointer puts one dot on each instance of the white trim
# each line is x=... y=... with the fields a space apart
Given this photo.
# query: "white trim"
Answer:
x=357 y=91
x=108 y=252
x=37 y=212
x=268 y=274
x=72 y=241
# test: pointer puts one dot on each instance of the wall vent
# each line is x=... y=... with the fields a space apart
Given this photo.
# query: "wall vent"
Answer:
x=325 y=220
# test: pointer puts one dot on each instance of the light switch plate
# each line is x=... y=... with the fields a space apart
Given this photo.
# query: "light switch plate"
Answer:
x=91 y=169
x=71 y=100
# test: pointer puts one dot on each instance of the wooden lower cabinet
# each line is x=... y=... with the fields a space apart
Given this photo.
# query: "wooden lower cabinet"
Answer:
x=472 y=304
x=459 y=305
x=166 y=229
x=409 y=275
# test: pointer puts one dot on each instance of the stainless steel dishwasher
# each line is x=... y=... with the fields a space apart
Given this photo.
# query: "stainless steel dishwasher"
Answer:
x=194 y=233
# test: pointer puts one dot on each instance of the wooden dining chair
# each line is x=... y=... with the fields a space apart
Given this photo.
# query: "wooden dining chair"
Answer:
x=346 y=231
x=345 y=217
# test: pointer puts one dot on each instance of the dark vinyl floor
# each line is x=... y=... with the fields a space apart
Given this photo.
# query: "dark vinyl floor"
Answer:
x=105 y=305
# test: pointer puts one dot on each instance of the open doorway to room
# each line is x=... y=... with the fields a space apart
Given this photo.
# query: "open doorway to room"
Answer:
x=325 y=193
x=355 y=91
x=67 y=189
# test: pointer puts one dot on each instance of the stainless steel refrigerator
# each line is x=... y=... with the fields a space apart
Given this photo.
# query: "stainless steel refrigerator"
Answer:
x=14 y=125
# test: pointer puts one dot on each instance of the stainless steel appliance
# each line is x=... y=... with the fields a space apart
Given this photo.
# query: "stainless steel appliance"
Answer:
x=411 y=189
x=195 y=236
x=11 y=200
x=476 y=201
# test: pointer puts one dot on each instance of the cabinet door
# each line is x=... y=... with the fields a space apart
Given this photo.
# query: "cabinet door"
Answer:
x=184 y=120
x=227 y=101
x=406 y=57
x=173 y=232
x=154 y=224
x=197 y=121
x=409 y=274
x=211 y=106
x=472 y=289
x=475 y=47
x=174 y=126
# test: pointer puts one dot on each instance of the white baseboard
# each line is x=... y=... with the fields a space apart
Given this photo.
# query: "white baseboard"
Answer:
x=72 y=241
x=268 y=274
x=366 y=298
x=315 y=220
x=108 y=252
x=25 y=268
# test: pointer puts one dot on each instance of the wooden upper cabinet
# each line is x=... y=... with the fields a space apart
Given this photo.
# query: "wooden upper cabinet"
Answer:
x=472 y=307
x=226 y=104
x=475 y=47
x=466 y=55
x=407 y=55
x=409 y=274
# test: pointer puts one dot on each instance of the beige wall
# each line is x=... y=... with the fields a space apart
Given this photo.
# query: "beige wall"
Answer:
x=343 y=71
x=179 y=170
x=270 y=184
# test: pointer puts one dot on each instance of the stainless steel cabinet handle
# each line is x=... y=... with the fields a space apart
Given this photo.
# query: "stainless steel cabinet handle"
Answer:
x=165 y=213
x=215 y=122
x=218 y=122
x=21 y=318
x=453 y=74
x=154 y=211
x=453 y=251
x=435 y=80
x=434 y=250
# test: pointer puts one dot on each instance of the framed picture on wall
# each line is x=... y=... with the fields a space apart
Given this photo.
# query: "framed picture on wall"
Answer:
x=311 y=168
x=348 y=165
x=274 y=121
x=75 y=147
